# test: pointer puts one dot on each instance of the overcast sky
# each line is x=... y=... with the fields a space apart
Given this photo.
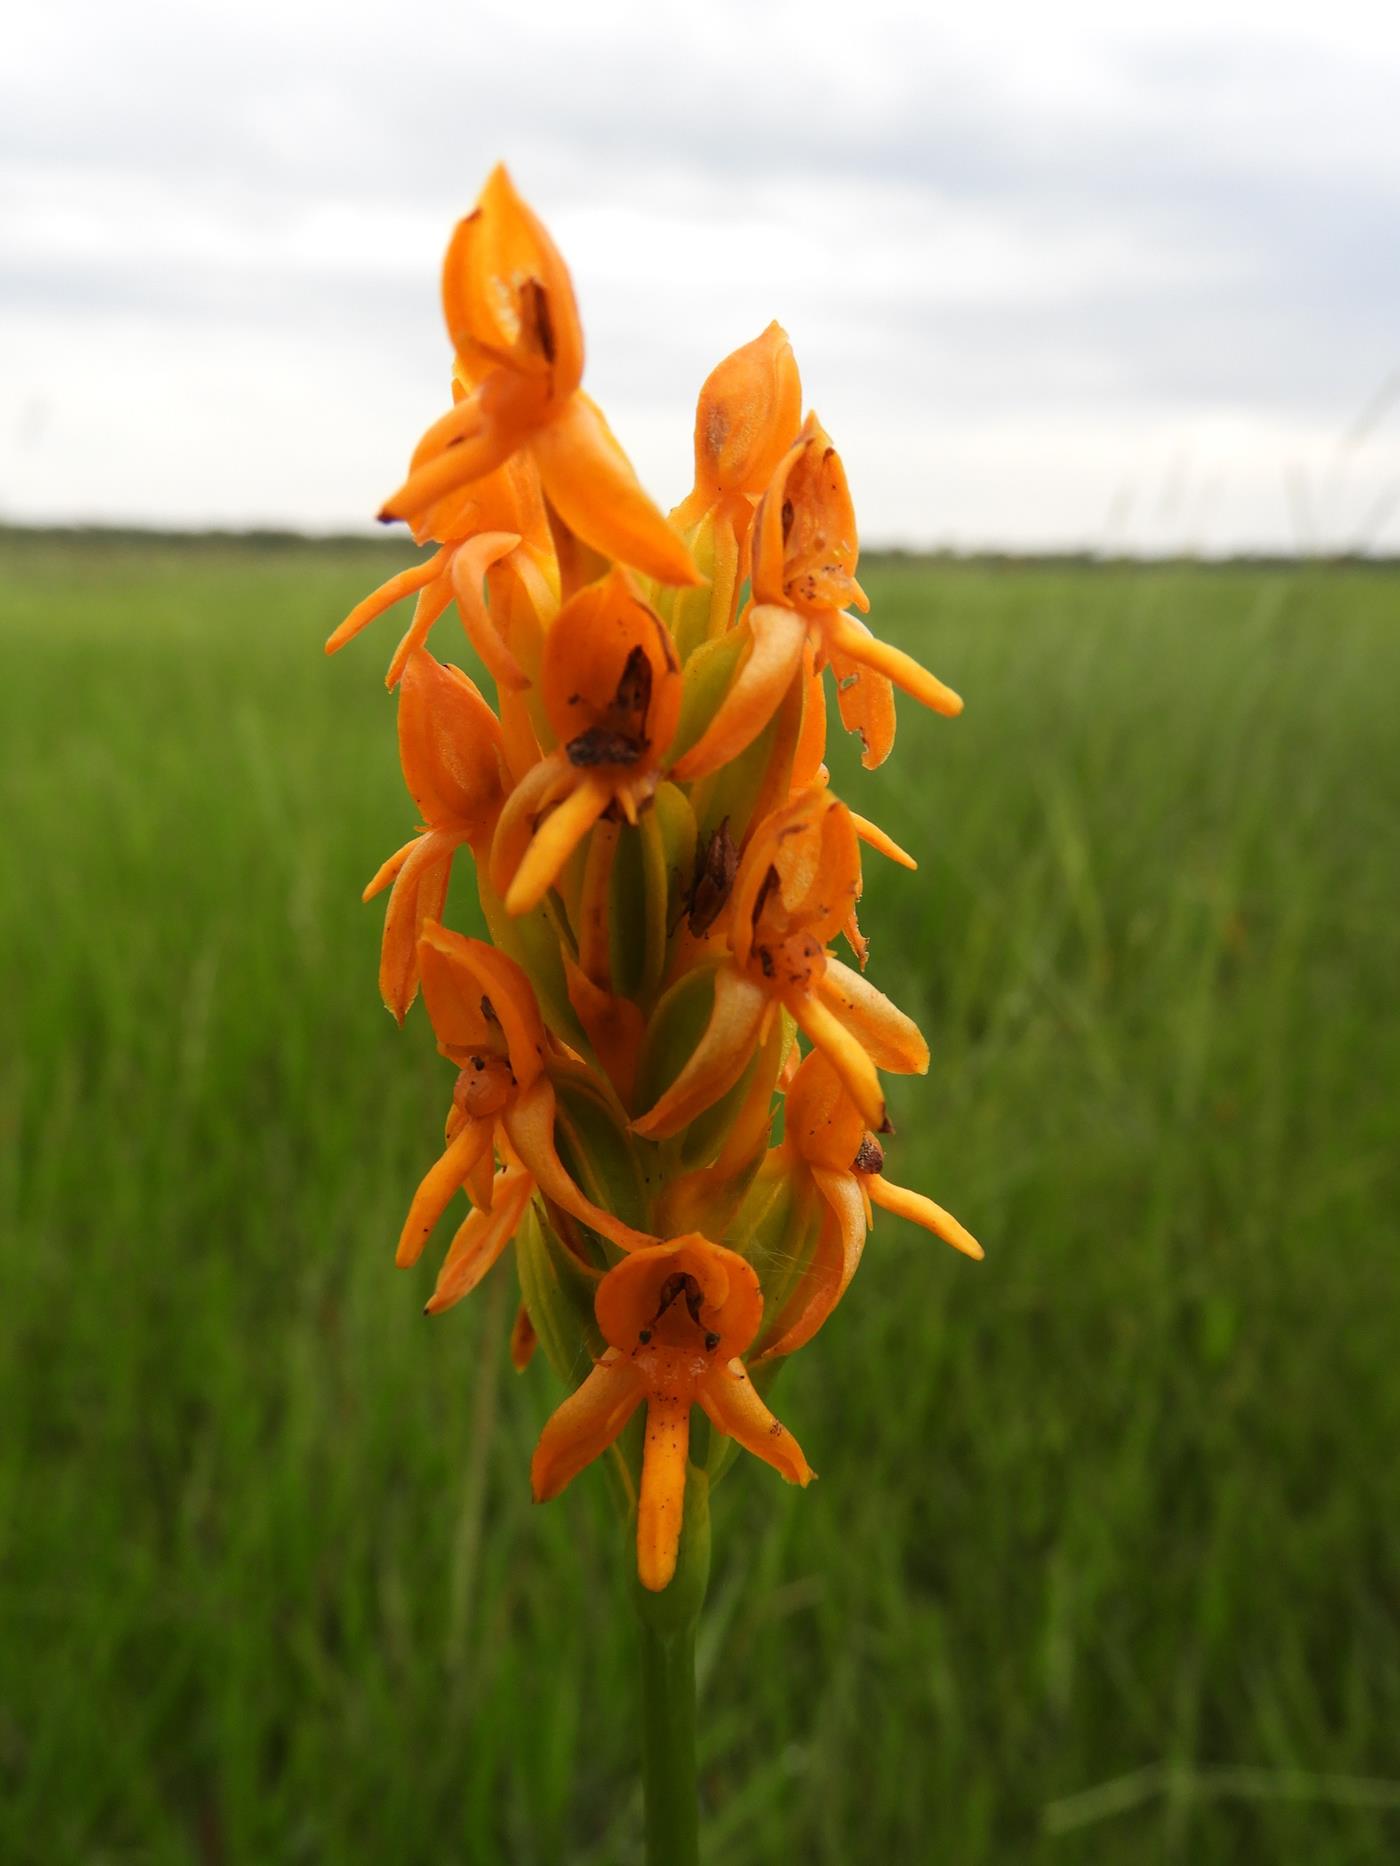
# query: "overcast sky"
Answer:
x=1052 y=279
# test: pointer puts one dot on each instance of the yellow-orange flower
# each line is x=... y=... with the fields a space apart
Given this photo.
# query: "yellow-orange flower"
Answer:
x=676 y=1318
x=488 y=1023
x=450 y=750
x=611 y=691
x=805 y=550
x=795 y=889
x=825 y=1137
x=510 y=311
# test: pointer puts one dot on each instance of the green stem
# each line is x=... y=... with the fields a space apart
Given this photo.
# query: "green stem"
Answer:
x=668 y=1746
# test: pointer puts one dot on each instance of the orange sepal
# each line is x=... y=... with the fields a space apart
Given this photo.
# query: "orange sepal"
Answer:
x=729 y=1398
x=834 y=1261
x=449 y=746
x=374 y=605
x=479 y=1242
x=718 y=1060
x=529 y=1125
x=746 y=418
x=443 y=1179
x=589 y=481
x=804 y=535
x=585 y=1425
x=614 y=1026
x=771 y=658
x=469 y=566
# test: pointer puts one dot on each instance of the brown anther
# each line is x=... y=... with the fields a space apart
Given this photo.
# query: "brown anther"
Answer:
x=870 y=1157
x=716 y=860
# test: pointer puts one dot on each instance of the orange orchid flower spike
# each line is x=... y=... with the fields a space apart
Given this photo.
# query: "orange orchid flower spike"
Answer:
x=488 y=1023
x=825 y=1136
x=676 y=1319
x=450 y=749
x=611 y=690
x=804 y=561
x=795 y=889
x=513 y=320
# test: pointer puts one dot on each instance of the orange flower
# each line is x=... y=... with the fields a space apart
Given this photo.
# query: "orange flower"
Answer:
x=804 y=561
x=450 y=749
x=611 y=690
x=511 y=314
x=676 y=1318
x=796 y=887
x=825 y=1138
x=488 y=1024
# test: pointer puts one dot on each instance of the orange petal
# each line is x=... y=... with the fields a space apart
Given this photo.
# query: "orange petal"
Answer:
x=728 y=1396
x=449 y=746
x=439 y=1184
x=585 y=1425
x=865 y=701
x=922 y=1211
x=590 y=483
x=846 y=1055
x=469 y=566
x=773 y=656
x=482 y=447
x=386 y=871
x=661 y=1504
x=849 y=638
x=635 y=1290
x=506 y=292
x=747 y=417
x=833 y=1263
x=479 y=1242
x=804 y=535
x=468 y=988
x=609 y=669
x=820 y=1121
x=554 y=841
x=717 y=1061
x=397 y=587
x=419 y=896
x=529 y=1125
x=893 y=1040
x=876 y=838
x=430 y=605
x=533 y=793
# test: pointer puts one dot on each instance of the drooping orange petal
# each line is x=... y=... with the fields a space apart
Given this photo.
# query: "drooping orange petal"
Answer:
x=554 y=841
x=773 y=656
x=398 y=586
x=834 y=1261
x=585 y=1425
x=443 y=1179
x=807 y=765
x=449 y=746
x=718 y=1060
x=893 y=1040
x=590 y=483
x=529 y=1125
x=430 y=605
x=661 y=1504
x=865 y=701
x=922 y=1211
x=849 y=638
x=418 y=896
x=469 y=566
x=533 y=793
x=479 y=1242
x=727 y=1395
x=387 y=871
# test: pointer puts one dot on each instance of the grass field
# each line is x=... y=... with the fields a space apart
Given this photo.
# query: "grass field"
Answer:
x=1103 y=1563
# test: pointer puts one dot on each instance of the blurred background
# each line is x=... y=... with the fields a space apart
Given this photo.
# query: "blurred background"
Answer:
x=1101 y=310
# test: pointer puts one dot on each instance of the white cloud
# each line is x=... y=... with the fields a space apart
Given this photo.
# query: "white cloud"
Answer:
x=1060 y=276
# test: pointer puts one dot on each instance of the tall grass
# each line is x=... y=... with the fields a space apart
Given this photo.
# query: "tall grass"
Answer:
x=1102 y=1565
